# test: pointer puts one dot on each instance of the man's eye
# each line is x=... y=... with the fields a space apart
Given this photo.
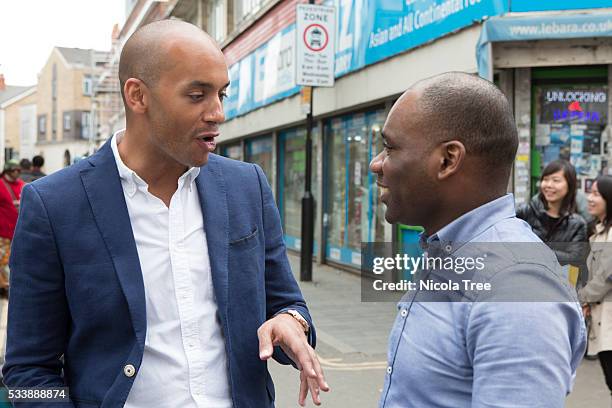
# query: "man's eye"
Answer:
x=222 y=96
x=196 y=97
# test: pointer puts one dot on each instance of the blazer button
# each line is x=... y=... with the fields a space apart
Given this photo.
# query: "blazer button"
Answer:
x=129 y=370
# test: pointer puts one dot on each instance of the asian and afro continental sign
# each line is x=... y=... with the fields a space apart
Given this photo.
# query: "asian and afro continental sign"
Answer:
x=367 y=31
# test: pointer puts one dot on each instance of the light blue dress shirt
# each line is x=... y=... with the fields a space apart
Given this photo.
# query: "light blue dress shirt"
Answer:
x=485 y=352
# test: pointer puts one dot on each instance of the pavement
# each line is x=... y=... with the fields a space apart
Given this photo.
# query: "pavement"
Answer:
x=352 y=346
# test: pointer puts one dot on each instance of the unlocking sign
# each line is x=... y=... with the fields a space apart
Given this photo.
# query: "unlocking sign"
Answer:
x=315 y=30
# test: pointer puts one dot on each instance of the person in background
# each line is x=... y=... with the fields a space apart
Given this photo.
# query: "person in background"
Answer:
x=37 y=163
x=552 y=214
x=26 y=168
x=10 y=193
x=597 y=294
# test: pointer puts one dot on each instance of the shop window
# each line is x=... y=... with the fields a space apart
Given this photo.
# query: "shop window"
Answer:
x=292 y=172
x=568 y=121
x=259 y=151
x=354 y=211
x=233 y=151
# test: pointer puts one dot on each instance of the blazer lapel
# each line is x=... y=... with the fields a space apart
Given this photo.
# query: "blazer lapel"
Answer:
x=103 y=187
x=213 y=200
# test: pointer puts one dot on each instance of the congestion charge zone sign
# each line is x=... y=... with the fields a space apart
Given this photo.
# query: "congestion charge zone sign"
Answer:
x=315 y=30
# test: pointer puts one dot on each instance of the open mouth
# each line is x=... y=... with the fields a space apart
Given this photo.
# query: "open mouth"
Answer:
x=207 y=142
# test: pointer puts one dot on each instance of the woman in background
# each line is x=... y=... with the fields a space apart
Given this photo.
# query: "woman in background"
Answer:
x=596 y=296
x=552 y=214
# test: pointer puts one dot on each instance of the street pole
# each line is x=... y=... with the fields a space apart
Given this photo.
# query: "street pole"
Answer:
x=307 y=206
x=307 y=203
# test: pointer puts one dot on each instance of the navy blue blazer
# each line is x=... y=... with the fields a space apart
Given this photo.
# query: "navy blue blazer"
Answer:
x=77 y=302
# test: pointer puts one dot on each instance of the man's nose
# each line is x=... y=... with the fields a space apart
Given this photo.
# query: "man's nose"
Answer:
x=376 y=163
x=214 y=113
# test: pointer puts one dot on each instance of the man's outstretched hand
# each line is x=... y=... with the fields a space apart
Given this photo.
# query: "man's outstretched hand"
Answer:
x=285 y=331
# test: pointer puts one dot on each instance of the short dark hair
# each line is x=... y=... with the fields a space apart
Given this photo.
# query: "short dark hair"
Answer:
x=464 y=107
x=25 y=164
x=38 y=161
x=568 y=205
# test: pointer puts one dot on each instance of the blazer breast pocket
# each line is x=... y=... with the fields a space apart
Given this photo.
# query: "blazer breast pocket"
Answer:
x=249 y=241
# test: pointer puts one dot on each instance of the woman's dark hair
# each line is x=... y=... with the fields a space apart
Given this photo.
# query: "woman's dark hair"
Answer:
x=604 y=186
x=568 y=205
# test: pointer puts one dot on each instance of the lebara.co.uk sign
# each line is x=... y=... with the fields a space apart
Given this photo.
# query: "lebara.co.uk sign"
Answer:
x=315 y=30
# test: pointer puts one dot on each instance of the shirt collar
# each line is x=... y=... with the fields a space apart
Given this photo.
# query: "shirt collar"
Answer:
x=471 y=224
x=133 y=181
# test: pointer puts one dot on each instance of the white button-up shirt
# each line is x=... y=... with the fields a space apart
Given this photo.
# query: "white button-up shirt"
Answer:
x=184 y=362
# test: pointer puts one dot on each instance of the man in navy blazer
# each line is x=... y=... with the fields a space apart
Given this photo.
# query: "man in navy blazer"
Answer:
x=130 y=268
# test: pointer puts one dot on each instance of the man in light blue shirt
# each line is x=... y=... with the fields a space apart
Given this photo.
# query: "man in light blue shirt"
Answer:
x=450 y=143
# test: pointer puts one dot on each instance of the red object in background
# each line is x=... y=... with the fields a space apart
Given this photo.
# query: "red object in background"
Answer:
x=574 y=107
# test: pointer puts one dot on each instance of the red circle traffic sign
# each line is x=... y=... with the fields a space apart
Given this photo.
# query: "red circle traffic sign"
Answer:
x=309 y=44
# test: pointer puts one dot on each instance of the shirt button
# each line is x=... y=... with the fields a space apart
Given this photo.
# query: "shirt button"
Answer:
x=129 y=370
x=389 y=370
x=404 y=313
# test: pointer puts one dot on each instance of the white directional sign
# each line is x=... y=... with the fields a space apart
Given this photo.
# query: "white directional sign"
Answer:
x=315 y=29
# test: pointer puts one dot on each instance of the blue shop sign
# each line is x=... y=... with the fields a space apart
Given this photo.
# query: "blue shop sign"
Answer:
x=369 y=31
x=542 y=5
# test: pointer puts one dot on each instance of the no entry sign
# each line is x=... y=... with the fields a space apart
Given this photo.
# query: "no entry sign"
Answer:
x=316 y=26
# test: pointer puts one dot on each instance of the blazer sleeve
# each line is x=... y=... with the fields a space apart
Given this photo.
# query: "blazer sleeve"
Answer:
x=282 y=291
x=38 y=315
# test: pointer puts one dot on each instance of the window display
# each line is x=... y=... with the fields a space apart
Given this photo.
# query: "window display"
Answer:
x=291 y=177
x=569 y=120
x=259 y=151
x=355 y=213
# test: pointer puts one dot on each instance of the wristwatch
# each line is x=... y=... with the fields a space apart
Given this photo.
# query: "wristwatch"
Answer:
x=297 y=316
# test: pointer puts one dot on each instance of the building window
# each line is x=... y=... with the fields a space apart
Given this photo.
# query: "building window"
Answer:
x=42 y=124
x=87 y=86
x=246 y=8
x=54 y=125
x=67 y=120
x=54 y=82
x=85 y=125
x=217 y=19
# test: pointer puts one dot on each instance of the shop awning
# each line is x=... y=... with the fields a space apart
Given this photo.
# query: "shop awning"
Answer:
x=538 y=27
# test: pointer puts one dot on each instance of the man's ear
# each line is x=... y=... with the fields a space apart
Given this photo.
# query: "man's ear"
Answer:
x=136 y=97
x=451 y=156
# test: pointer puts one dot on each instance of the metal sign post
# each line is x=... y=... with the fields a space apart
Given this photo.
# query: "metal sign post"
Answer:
x=315 y=28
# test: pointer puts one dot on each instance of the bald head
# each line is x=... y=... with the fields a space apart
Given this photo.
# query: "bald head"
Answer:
x=464 y=107
x=145 y=55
